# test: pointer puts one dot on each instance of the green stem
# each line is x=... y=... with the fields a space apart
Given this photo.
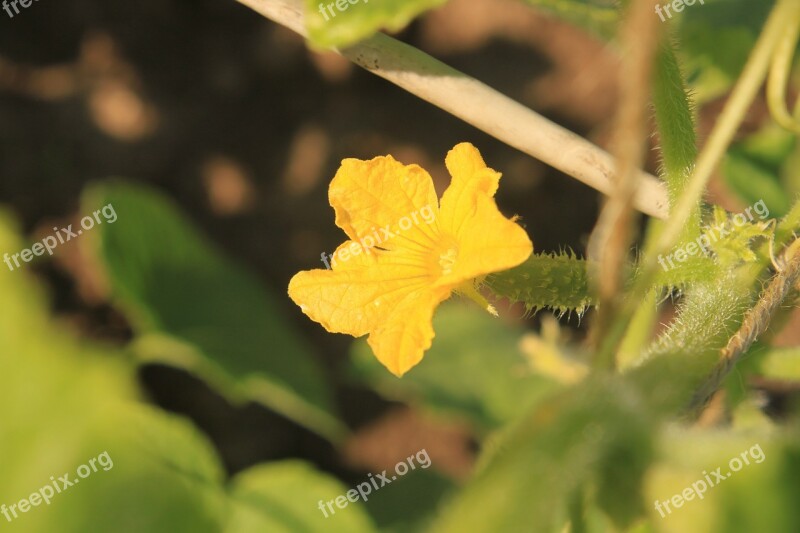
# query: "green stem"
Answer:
x=675 y=123
x=741 y=98
x=779 y=75
x=576 y=509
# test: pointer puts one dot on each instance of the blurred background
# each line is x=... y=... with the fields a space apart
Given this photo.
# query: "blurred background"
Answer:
x=234 y=119
x=205 y=112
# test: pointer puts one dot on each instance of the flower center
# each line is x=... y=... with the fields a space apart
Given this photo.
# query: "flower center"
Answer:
x=447 y=260
x=443 y=258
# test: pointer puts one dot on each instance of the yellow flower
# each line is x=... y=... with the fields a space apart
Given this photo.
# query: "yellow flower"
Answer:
x=397 y=267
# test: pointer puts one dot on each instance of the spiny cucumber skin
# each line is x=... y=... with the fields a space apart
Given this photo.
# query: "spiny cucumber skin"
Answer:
x=556 y=281
x=560 y=281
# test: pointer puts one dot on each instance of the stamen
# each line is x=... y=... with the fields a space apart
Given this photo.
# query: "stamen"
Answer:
x=447 y=260
x=468 y=289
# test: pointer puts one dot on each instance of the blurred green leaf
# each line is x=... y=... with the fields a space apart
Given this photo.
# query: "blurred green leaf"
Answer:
x=345 y=22
x=716 y=38
x=597 y=16
x=285 y=498
x=191 y=306
x=421 y=490
x=474 y=370
x=595 y=434
x=752 y=182
x=66 y=401
x=759 y=496
x=760 y=167
x=781 y=363
x=768 y=147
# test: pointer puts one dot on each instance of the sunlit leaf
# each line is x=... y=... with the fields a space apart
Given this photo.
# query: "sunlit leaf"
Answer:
x=192 y=306
x=344 y=22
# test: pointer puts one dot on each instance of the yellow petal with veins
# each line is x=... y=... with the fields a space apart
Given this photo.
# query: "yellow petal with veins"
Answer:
x=371 y=198
x=486 y=240
x=358 y=294
x=400 y=342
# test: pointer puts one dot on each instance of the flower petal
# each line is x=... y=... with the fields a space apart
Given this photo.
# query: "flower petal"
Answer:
x=373 y=198
x=471 y=178
x=494 y=244
x=388 y=280
x=400 y=342
x=359 y=293
x=486 y=240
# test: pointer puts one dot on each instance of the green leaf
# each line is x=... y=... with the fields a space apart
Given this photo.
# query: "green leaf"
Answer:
x=422 y=490
x=67 y=402
x=758 y=496
x=286 y=497
x=594 y=435
x=788 y=225
x=474 y=370
x=676 y=274
x=341 y=23
x=716 y=38
x=752 y=182
x=192 y=307
x=735 y=247
x=597 y=16
x=159 y=435
x=769 y=147
x=781 y=363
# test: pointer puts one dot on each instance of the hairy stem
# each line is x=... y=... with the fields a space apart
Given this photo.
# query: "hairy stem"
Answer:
x=676 y=130
x=613 y=234
x=755 y=322
x=779 y=75
x=732 y=115
x=727 y=125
